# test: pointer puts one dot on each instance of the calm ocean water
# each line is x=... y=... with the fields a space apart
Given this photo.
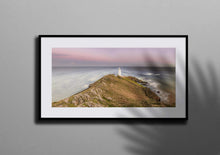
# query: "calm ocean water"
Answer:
x=67 y=81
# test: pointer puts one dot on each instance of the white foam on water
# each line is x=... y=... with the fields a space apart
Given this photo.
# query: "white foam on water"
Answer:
x=65 y=85
x=148 y=74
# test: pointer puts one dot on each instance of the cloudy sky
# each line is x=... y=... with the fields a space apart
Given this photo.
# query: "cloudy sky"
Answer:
x=113 y=57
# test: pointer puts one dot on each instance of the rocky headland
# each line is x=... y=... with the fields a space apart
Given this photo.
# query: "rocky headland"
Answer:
x=114 y=91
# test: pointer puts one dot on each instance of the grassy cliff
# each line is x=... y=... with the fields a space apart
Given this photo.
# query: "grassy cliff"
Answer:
x=113 y=91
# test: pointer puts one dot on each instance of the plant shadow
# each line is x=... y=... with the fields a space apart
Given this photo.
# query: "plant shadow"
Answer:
x=199 y=135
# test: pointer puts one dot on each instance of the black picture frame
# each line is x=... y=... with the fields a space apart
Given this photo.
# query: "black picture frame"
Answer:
x=39 y=81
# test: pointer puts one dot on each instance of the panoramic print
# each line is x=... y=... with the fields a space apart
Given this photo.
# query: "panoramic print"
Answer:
x=113 y=77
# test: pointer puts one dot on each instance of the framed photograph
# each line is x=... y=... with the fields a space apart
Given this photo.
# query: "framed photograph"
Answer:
x=113 y=76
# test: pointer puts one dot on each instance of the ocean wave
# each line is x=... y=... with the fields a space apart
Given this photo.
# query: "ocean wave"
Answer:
x=149 y=74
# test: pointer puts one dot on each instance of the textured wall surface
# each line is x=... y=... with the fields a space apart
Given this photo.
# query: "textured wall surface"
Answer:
x=22 y=21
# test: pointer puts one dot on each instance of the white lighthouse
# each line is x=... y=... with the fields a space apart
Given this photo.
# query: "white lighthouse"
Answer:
x=119 y=71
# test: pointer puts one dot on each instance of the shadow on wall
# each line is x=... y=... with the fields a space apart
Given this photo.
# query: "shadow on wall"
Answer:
x=199 y=135
x=37 y=87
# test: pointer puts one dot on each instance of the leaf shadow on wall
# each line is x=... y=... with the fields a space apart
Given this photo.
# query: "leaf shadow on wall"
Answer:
x=199 y=135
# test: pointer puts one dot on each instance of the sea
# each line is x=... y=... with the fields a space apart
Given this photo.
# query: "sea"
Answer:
x=67 y=81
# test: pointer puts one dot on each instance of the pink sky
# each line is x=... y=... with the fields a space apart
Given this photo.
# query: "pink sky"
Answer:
x=113 y=57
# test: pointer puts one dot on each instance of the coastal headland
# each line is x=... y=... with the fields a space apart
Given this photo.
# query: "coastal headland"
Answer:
x=114 y=91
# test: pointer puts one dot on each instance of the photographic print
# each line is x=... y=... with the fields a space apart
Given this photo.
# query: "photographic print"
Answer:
x=113 y=77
